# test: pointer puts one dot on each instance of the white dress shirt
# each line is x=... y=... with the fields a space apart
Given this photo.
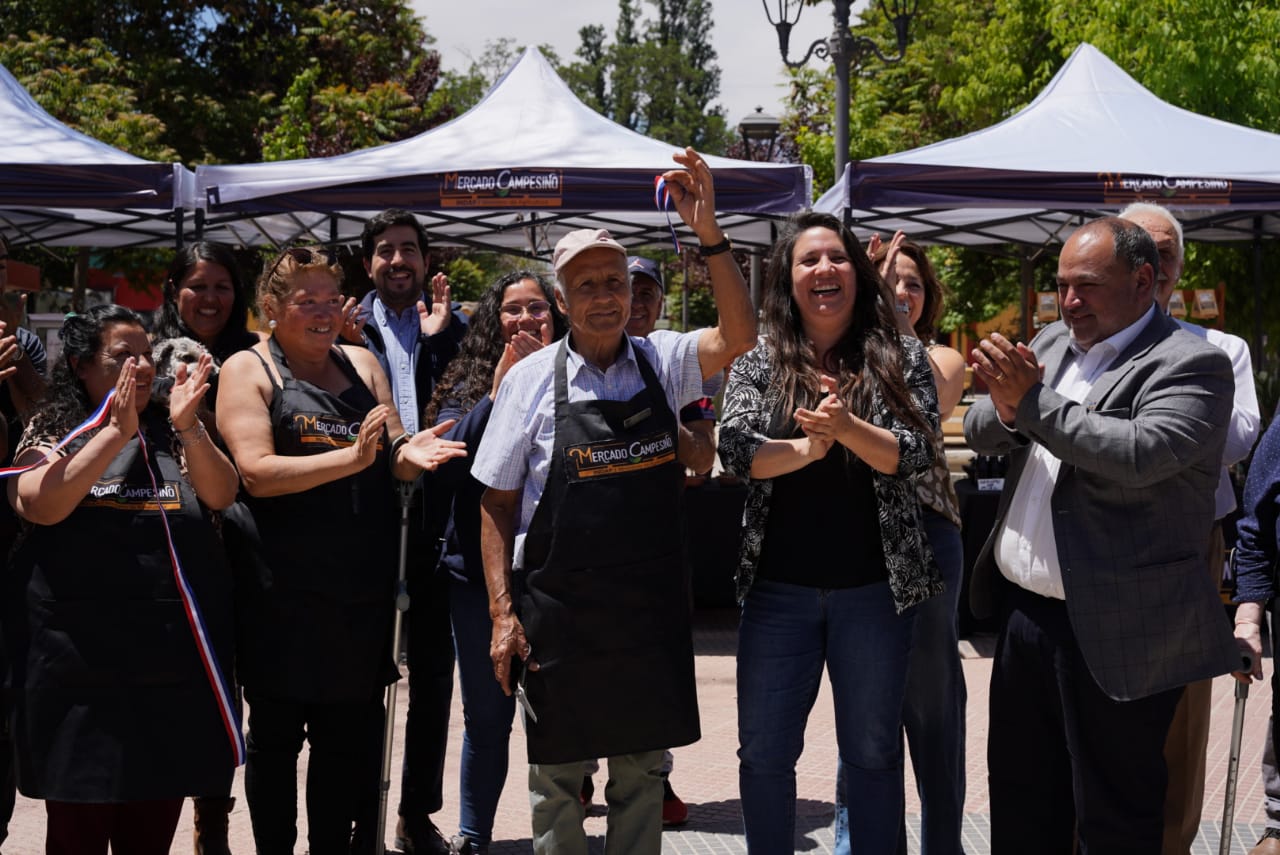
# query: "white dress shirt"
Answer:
x=1026 y=550
x=1246 y=415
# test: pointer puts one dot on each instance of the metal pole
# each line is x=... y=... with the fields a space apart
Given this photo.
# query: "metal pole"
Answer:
x=1027 y=279
x=757 y=280
x=405 y=491
x=1233 y=759
x=840 y=56
x=1257 y=291
x=684 y=293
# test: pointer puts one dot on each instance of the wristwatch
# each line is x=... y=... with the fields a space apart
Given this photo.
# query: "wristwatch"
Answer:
x=716 y=248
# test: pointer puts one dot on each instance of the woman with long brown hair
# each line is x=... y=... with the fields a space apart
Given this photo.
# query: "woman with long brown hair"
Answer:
x=829 y=417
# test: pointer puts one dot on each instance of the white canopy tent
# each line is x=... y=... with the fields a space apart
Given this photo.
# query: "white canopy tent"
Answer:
x=526 y=164
x=59 y=187
x=1091 y=142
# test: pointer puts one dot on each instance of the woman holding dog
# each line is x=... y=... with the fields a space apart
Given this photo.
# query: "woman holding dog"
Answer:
x=122 y=708
x=205 y=300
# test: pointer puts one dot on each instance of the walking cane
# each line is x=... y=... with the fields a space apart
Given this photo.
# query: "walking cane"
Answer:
x=1233 y=764
x=405 y=489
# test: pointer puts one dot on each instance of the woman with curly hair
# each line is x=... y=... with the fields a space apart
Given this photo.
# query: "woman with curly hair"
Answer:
x=116 y=717
x=829 y=417
x=516 y=316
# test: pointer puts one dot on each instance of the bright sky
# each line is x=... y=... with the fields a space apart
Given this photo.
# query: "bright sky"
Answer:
x=751 y=72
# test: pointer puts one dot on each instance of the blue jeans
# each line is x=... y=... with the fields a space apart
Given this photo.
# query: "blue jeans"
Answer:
x=486 y=713
x=933 y=715
x=787 y=634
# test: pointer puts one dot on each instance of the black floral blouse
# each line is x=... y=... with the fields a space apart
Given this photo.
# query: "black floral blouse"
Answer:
x=748 y=404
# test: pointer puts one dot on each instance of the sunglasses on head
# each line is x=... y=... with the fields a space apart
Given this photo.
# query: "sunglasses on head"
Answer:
x=302 y=255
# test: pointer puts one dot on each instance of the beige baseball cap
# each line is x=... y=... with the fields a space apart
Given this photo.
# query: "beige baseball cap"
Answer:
x=579 y=241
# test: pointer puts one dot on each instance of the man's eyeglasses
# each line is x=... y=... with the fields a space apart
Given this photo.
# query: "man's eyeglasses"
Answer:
x=539 y=310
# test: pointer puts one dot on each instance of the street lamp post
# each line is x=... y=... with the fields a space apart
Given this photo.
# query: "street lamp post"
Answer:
x=757 y=129
x=842 y=49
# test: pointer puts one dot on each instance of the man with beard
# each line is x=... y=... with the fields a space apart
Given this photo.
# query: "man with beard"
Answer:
x=414 y=334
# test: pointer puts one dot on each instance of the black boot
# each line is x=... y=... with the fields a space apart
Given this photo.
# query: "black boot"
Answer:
x=210 y=834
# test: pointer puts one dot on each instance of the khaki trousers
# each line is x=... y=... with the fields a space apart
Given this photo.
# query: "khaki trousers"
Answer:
x=1184 y=749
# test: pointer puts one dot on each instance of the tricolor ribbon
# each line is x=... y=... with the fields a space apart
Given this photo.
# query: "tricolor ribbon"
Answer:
x=96 y=419
x=662 y=201
x=221 y=691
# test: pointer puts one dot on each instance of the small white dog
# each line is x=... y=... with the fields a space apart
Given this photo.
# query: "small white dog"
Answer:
x=167 y=353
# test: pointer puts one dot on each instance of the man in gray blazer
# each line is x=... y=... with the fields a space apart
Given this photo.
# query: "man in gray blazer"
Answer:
x=1114 y=420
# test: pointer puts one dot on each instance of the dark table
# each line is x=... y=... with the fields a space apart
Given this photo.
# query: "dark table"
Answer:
x=713 y=515
x=977 y=518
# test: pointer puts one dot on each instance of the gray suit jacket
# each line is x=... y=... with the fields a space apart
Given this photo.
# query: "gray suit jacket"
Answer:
x=1132 y=506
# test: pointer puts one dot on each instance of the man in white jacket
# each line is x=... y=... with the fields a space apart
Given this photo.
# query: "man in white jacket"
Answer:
x=1189 y=734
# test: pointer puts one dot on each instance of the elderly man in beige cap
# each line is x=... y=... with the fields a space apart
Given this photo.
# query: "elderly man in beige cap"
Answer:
x=590 y=611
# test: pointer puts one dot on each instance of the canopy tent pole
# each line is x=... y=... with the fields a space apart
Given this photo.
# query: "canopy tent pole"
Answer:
x=1027 y=276
x=757 y=275
x=684 y=293
x=1257 y=291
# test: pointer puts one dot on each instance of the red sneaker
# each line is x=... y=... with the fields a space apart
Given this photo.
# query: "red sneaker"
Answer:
x=674 y=810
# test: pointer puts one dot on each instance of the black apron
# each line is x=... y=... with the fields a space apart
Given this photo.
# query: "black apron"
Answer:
x=112 y=700
x=316 y=570
x=605 y=592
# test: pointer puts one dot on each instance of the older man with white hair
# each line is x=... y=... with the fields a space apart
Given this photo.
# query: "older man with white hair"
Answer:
x=1189 y=732
x=590 y=611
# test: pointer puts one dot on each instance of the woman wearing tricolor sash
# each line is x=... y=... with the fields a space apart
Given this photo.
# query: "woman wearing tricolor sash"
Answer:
x=118 y=609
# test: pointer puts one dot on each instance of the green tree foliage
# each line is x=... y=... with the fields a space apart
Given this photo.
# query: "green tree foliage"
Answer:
x=970 y=65
x=225 y=80
x=659 y=76
x=364 y=70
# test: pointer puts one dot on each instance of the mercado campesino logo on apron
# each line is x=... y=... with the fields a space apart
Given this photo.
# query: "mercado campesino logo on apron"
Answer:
x=327 y=429
x=119 y=496
x=617 y=457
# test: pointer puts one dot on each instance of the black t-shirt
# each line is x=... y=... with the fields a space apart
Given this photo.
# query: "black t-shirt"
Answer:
x=823 y=529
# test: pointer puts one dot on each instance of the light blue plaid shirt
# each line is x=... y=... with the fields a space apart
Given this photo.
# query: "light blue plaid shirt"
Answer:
x=400 y=335
x=515 y=452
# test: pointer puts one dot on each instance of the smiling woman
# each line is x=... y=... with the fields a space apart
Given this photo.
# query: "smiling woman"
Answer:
x=830 y=416
x=311 y=429
x=205 y=299
x=111 y=680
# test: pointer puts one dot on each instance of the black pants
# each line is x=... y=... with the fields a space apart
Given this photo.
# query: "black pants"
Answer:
x=1063 y=757
x=342 y=772
x=426 y=731
x=139 y=828
x=8 y=784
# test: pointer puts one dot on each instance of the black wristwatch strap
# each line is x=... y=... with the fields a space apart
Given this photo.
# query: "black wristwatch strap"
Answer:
x=716 y=248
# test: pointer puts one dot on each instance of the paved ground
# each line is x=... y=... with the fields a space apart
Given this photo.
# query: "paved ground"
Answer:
x=706 y=773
